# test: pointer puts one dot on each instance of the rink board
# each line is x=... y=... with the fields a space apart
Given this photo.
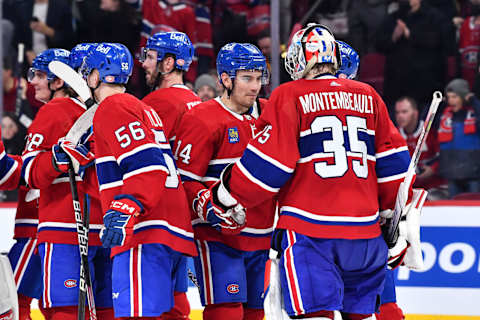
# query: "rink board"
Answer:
x=449 y=287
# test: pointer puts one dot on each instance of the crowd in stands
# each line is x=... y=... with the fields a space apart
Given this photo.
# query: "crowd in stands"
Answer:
x=408 y=49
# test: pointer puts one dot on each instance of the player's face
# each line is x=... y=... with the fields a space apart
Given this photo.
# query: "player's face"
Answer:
x=150 y=67
x=40 y=83
x=404 y=113
x=247 y=87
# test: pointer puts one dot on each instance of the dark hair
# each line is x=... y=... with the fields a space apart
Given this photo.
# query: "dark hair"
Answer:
x=410 y=100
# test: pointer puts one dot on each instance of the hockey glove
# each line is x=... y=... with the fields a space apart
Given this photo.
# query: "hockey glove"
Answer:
x=119 y=220
x=407 y=251
x=65 y=151
x=217 y=206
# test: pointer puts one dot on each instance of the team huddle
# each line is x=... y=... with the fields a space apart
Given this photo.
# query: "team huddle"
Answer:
x=170 y=177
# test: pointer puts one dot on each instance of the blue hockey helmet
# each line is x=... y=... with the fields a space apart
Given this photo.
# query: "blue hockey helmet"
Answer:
x=40 y=63
x=112 y=60
x=241 y=56
x=350 y=60
x=79 y=52
x=176 y=43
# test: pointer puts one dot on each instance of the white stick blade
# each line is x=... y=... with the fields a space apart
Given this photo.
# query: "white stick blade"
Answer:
x=72 y=78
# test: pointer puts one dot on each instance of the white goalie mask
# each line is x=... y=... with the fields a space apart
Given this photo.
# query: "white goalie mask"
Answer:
x=311 y=45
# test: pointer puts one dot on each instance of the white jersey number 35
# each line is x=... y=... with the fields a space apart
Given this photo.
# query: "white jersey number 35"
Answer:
x=336 y=146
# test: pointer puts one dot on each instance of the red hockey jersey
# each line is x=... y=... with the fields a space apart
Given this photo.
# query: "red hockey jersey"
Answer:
x=55 y=208
x=469 y=47
x=26 y=216
x=159 y=16
x=133 y=157
x=429 y=156
x=170 y=104
x=210 y=137
x=330 y=151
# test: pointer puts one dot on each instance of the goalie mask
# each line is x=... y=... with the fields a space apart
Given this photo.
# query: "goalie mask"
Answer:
x=311 y=45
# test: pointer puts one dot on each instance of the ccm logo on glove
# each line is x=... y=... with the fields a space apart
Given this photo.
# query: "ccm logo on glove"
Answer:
x=124 y=207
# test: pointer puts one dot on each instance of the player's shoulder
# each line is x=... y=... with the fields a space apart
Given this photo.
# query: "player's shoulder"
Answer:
x=58 y=107
x=205 y=113
x=117 y=105
x=357 y=85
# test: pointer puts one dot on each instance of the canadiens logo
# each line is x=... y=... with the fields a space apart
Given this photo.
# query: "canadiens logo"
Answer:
x=233 y=135
x=233 y=288
x=70 y=283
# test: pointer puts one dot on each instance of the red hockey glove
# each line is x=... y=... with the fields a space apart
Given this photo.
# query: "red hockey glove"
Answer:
x=218 y=207
x=65 y=151
x=119 y=220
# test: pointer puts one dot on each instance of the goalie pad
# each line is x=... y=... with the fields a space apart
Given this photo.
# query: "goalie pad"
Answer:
x=8 y=289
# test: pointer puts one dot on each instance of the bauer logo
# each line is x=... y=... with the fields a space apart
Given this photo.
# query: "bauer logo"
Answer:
x=70 y=283
x=451 y=258
x=233 y=136
x=233 y=288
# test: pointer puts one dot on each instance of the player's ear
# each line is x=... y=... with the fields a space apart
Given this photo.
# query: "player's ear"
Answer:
x=226 y=80
x=93 y=78
x=168 y=64
x=56 y=84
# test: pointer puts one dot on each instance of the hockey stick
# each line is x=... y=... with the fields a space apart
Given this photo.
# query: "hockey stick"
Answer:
x=18 y=71
x=402 y=195
x=76 y=82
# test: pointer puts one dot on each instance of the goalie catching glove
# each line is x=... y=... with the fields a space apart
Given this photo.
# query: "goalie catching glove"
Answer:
x=119 y=220
x=407 y=250
x=217 y=206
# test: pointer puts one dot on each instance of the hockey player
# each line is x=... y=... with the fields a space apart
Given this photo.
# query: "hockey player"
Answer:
x=45 y=166
x=144 y=204
x=230 y=266
x=25 y=262
x=389 y=310
x=165 y=58
x=335 y=160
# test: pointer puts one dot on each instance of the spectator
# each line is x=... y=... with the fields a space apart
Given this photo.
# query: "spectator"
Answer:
x=42 y=24
x=364 y=18
x=469 y=47
x=13 y=136
x=415 y=40
x=29 y=104
x=459 y=137
x=109 y=21
x=410 y=127
x=205 y=87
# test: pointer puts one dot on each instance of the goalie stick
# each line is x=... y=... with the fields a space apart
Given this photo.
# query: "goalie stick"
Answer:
x=402 y=195
x=83 y=123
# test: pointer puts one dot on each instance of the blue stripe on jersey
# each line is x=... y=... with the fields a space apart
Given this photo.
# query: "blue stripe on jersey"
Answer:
x=186 y=178
x=263 y=170
x=313 y=143
x=159 y=226
x=66 y=229
x=146 y=28
x=142 y=159
x=393 y=164
x=256 y=235
x=6 y=163
x=214 y=170
x=202 y=12
x=329 y=223
x=26 y=161
x=108 y=172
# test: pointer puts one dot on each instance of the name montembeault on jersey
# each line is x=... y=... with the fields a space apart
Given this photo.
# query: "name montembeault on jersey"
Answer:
x=324 y=101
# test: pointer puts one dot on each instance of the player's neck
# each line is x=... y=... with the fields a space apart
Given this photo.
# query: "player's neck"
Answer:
x=8 y=85
x=170 y=80
x=105 y=91
x=232 y=105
